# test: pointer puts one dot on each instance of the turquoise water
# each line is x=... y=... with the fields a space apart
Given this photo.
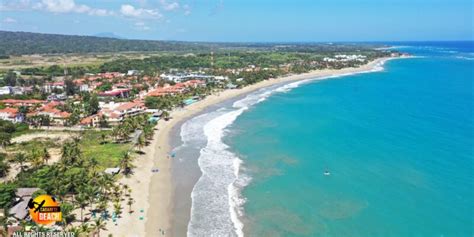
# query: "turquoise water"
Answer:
x=398 y=143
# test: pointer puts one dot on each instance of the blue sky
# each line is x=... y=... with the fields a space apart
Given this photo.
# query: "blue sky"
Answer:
x=246 y=20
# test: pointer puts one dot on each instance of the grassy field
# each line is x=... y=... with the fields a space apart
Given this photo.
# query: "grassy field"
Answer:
x=108 y=154
x=29 y=61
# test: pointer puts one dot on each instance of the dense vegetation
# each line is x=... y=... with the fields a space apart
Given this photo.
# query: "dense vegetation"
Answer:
x=19 y=43
x=77 y=178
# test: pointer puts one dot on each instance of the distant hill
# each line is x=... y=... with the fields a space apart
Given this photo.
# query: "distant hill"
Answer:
x=108 y=35
x=19 y=43
x=22 y=43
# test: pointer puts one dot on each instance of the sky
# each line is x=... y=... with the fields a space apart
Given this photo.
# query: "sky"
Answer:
x=246 y=20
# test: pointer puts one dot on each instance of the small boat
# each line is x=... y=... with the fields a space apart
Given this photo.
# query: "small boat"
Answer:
x=326 y=173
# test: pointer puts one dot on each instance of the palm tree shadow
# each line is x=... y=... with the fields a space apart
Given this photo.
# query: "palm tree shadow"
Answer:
x=140 y=152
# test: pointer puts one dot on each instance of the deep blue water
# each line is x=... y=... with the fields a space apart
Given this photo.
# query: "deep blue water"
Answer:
x=398 y=144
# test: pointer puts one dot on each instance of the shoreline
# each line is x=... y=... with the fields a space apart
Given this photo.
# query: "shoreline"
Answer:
x=157 y=188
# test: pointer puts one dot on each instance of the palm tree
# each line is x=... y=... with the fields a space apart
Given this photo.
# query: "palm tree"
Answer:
x=148 y=131
x=117 y=191
x=126 y=163
x=71 y=153
x=20 y=158
x=126 y=188
x=5 y=139
x=75 y=231
x=66 y=213
x=35 y=158
x=4 y=167
x=103 y=136
x=98 y=225
x=165 y=115
x=124 y=131
x=5 y=221
x=129 y=203
x=93 y=165
x=103 y=204
x=91 y=192
x=116 y=132
x=117 y=208
x=81 y=201
x=141 y=142
x=84 y=228
x=45 y=155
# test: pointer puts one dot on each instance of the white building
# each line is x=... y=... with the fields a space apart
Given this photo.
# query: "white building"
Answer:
x=132 y=72
x=10 y=114
x=5 y=90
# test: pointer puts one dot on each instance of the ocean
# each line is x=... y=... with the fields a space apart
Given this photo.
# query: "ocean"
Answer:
x=397 y=143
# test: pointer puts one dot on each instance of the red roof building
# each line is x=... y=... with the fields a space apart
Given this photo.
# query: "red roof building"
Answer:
x=17 y=103
x=10 y=114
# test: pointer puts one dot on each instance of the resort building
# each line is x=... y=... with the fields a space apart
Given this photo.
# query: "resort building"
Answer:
x=18 y=103
x=49 y=87
x=5 y=90
x=57 y=116
x=11 y=114
x=82 y=85
x=117 y=93
x=20 y=209
x=178 y=88
x=114 y=113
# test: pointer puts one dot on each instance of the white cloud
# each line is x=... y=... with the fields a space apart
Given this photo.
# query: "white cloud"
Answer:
x=55 y=6
x=66 y=6
x=169 y=6
x=131 y=11
x=101 y=12
x=141 y=26
x=8 y=20
x=62 y=6
x=187 y=9
x=15 y=5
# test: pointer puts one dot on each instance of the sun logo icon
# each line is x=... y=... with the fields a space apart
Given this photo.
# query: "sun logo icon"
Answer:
x=44 y=210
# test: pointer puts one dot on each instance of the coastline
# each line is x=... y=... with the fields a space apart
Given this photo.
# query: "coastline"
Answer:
x=157 y=188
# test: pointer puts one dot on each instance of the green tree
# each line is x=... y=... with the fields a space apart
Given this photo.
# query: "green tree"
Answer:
x=7 y=195
x=36 y=158
x=45 y=155
x=74 y=118
x=20 y=158
x=129 y=203
x=165 y=115
x=71 y=153
x=10 y=78
x=5 y=139
x=103 y=137
x=103 y=122
x=126 y=163
x=69 y=87
x=82 y=202
x=148 y=131
x=98 y=225
x=117 y=208
x=84 y=228
x=4 y=166
x=141 y=141
x=67 y=213
x=93 y=104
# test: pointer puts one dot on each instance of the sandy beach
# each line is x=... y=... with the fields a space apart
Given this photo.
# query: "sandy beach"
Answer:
x=153 y=192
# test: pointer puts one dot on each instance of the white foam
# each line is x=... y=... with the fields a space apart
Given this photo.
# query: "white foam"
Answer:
x=214 y=199
x=217 y=205
x=191 y=130
x=465 y=58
